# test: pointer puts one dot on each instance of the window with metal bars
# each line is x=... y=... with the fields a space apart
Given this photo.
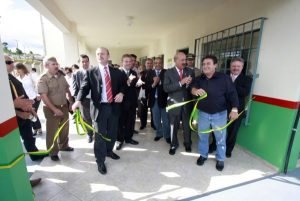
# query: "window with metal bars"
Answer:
x=242 y=40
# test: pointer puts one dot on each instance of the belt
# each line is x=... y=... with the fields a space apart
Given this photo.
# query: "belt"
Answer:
x=105 y=103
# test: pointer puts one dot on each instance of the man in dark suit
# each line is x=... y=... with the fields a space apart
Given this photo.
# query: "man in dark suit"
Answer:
x=177 y=84
x=129 y=104
x=242 y=84
x=85 y=103
x=144 y=109
x=107 y=86
x=158 y=101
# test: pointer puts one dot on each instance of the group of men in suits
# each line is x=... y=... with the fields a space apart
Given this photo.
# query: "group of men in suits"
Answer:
x=113 y=102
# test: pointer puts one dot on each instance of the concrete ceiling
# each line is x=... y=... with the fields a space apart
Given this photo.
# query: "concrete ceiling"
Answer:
x=105 y=23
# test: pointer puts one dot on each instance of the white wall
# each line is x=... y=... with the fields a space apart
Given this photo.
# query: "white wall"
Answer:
x=116 y=53
x=278 y=65
x=54 y=42
x=71 y=47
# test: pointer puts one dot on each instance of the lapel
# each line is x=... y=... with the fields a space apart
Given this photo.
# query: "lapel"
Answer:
x=175 y=72
x=97 y=77
x=237 y=80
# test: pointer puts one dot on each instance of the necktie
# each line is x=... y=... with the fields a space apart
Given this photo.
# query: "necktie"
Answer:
x=108 y=86
x=180 y=74
x=157 y=73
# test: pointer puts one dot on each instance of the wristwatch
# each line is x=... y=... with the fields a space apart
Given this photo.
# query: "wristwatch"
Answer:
x=234 y=110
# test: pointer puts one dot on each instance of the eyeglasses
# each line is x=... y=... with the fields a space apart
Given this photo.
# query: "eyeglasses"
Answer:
x=9 y=62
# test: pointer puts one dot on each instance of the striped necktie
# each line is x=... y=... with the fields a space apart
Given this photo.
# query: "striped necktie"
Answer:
x=108 y=86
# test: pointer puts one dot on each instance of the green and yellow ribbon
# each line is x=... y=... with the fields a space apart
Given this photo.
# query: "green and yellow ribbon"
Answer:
x=13 y=163
x=175 y=105
x=194 y=116
x=85 y=126
x=78 y=121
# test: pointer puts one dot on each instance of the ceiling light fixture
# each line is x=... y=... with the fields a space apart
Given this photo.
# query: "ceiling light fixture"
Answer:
x=129 y=20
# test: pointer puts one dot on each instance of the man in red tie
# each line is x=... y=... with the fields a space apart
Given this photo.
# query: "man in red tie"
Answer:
x=177 y=84
x=107 y=86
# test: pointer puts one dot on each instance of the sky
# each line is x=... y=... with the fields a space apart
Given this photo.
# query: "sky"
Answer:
x=20 y=24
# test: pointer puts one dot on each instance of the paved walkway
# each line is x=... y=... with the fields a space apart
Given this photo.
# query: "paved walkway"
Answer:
x=144 y=172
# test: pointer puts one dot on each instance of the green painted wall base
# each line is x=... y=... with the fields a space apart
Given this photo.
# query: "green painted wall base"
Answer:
x=14 y=182
x=268 y=134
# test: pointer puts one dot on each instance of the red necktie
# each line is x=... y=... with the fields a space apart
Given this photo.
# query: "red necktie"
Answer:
x=180 y=74
x=108 y=86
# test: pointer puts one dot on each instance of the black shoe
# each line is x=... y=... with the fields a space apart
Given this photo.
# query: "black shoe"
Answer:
x=135 y=132
x=172 y=150
x=55 y=158
x=188 y=149
x=220 y=165
x=119 y=146
x=168 y=140
x=142 y=127
x=37 y=157
x=90 y=139
x=68 y=149
x=102 y=168
x=34 y=182
x=132 y=142
x=157 y=138
x=201 y=160
x=228 y=155
x=112 y=155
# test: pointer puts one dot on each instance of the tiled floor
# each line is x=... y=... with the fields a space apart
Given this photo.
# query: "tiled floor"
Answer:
x=144 y=172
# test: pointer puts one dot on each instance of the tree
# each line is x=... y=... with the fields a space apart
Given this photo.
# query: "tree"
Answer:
x=5 y=48
x=19 y=52
x=31 y=55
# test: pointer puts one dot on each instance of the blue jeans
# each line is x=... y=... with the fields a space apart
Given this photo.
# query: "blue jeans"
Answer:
x=207 y=121
x=161 y=121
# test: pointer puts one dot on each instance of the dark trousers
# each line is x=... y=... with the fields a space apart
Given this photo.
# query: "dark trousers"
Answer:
x=86 y=114
x=27 y=135
x=232 y=131
x=126 y=124
x=175 y=122
x=37 y=124
x=144 y=113
x=107 y=124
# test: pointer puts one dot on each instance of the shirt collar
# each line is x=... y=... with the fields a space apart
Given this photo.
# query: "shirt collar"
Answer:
x=51 y=76
x=102 y=66
x=215 y=75
x=178 y=70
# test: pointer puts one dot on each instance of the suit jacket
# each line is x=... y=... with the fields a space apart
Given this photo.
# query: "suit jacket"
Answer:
x=162 y=96
x=243 y=85
x=92 y=81
x=177 y=93
x=18 y=86
x=131 y=96
x=146 y=78
x=77 y=80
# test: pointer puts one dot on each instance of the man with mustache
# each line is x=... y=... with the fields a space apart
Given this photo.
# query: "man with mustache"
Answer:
x=212 y=111
x=53 y=89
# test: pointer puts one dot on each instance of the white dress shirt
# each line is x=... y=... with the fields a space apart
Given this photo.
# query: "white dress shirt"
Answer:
x=29 y=86
x=233 y=77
